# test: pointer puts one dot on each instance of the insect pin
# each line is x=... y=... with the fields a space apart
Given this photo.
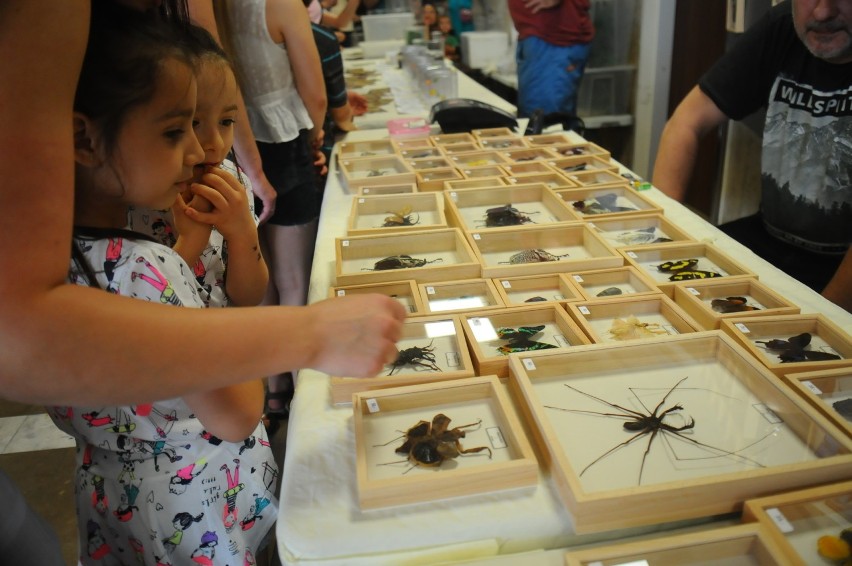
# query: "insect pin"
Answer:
x=682 y=270
x=417 y=357
x=506 y=215
x=794 y=349
x=399 y=262
x=533 y=256
x=520 y=340
x=402 y=217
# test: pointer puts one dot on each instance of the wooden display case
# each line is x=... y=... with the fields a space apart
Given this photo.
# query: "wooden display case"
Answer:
x=381 y=214
x=532 y=250
x=483 y=134
x=526 y=154
x=493 y=336
x=830 y=391
x=460 y=296
x=552 y=180
x=547 y=139
x=527 y=290
x=638 y=230
x=502 y=142
x=620 y=319
x=392 y=189
x=481 y=410
x=486 y=172
x=535 y=205
x=598 y=179
x=433 y=255
x=710 y=301
x=613 y=282
x=734 y=431
x=408 y=144
x=661 y=262
x=739 y=544
x=366 y=148
x=383 y=170
x=476 y=183
x=584 y=148
x=436 y=351
x=415 y=153
x=446 y=139
x=595 y=204
x=405 y=292
x=797 y=520
x=527 y=168
x=481 y=158
x=825 y=338
x=463 y=147
x=434 y=179
x=428 y=163
x=582 y=163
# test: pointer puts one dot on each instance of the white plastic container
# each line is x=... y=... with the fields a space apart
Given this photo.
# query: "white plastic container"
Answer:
x=482 y=49
x=382 y=27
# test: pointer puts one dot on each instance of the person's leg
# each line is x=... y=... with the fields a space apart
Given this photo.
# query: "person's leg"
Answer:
x=549 y=76
x=25 y=538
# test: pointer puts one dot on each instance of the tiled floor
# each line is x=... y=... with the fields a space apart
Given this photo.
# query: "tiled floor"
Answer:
x=40 y=460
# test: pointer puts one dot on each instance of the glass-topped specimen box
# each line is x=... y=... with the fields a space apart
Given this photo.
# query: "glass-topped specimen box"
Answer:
x=502 y=142
x=366 y=148
x=439 y=162
x=594 y=204
x=533 y=250
x=710 y=301
x=459 y=296
x=463 y=147
x=738 y=545
x=682 y=263
x=621 y=319
x=527 y=168
x=434 y=179
x=409 y=144
x=527 y=290
x=382 y=170
x=481 y=158
x=830 y=391
x=793 y=342
x=405 y=292
x=392 y=189
x=447 y=139
x=494 y=455
x=424 y=255
x=493 y=336
x=733 y=430
x=475 y=183
x=598 y=179
x=530 y=204
x=432 y=348
x=613 y=282
x=582 y=163
x=483 y=172
x=483 y=134
x=638 y=230
x=526 y=154
x=801 y=522
x=584 y=148
x=553 y=180
x=381 y=214
x=429 y=152
x=547 y=140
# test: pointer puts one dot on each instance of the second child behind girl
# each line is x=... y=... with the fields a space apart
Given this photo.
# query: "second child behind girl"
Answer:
x=175 y=481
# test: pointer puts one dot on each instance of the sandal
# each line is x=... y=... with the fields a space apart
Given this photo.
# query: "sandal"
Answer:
x=282 y=401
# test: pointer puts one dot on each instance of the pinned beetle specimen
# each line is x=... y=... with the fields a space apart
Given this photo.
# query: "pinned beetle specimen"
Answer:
x=682 y=270
x=520 y=340
x=652 y=423
x=601 y=204
x=732 y=304
x=632 y=328
x=399 y=262
x=794 y=349
x=417 y=357
x=432 y=444
x=506 y=216
x=401 y=218
x=535 y=299
x=533 y=256
x=610 y=292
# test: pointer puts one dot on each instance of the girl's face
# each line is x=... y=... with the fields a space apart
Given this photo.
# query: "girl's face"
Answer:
x=444 y=24
x=430 y=15
x=215 y=111
x=156 y=148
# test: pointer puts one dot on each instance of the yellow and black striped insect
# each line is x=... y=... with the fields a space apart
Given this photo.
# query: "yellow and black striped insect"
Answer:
x=520 y=339
x=401 y=217
x=682 y=270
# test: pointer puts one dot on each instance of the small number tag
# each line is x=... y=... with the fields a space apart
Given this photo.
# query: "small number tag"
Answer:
x=345 y=243
x=591 y=224
x=742 y=327
x=528 y=363
x=693 y=290
x=372 y=405
x=780 y=520
x=452 y=359
x=632 y=255
x=477 y=237
x=578 y=279
x=506 y=284
x=454 y=195
x=585 y=310
x=670 y=329
x=810 y=386
x=563 y=343
x=430 y=290
x=366 y=191
x=361 y=201
x=495 y=436
x=767 y=413
x=340 y=292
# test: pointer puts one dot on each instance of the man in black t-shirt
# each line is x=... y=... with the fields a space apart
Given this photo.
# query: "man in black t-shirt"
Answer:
x=797 y=63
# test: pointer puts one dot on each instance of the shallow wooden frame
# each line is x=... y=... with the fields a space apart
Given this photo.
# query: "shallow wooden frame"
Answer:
x=426 y=152
x=656 y=309
x=368 y=213
x=512 y=467
x=553 y=180
x=639 y=256
x=483 y=325
x=498 y=143
x=696 y=299
x=488 y=133
x=810 y=513
x=591 y=283
x=584 y=148
x=563 y=165
x=743 y=544
x=635 y=222
x=463 y=147
x=598 y=179
x=434 y=179
x=526 y=154
x=814 y=386
x=466 y=207
x=446 y=139
x=354 y=255
x=392 y=189
x=487 y=171
x=534 y=377
x=480 y=291
x=480 y=158
x=536 y=140
x=623 y=192
x=364 y=148
x=450 y=348
x=557 y=286
x=475 y=183
x=747 y=330
x=427 y=163
x=408 y=144
x=527 y=168
x=405 y=292
x=353 y=169
x=497 y=245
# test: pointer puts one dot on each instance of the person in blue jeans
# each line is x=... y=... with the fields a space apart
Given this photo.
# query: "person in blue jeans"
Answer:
x=554 y=38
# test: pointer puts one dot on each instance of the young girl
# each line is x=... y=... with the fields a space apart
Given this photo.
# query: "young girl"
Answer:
x=177 y=481
x=221 y=201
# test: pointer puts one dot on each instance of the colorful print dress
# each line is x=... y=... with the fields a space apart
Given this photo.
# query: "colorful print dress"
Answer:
x=153 y=486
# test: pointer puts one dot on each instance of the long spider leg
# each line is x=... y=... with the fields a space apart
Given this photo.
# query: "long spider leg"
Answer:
x=733 y=453
x=613 y=405
x=614 y=448
x=645 y=454
x=663 y=400
x=625 y=417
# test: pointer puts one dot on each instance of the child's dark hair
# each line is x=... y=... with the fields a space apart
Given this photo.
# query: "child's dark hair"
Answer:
x=124 y=57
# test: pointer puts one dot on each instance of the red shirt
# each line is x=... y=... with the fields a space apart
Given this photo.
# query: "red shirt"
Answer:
x=569 y=23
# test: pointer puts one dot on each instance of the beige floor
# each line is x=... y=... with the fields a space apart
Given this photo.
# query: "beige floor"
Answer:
x=40 y=460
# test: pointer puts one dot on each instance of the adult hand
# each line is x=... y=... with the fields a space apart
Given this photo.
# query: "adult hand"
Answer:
x=358 y=103
x=357 y=334
x=536 y=6
x=267 y=194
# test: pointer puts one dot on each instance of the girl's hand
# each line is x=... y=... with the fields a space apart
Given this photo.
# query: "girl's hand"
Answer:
x=230 y=212
x=192 y=229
